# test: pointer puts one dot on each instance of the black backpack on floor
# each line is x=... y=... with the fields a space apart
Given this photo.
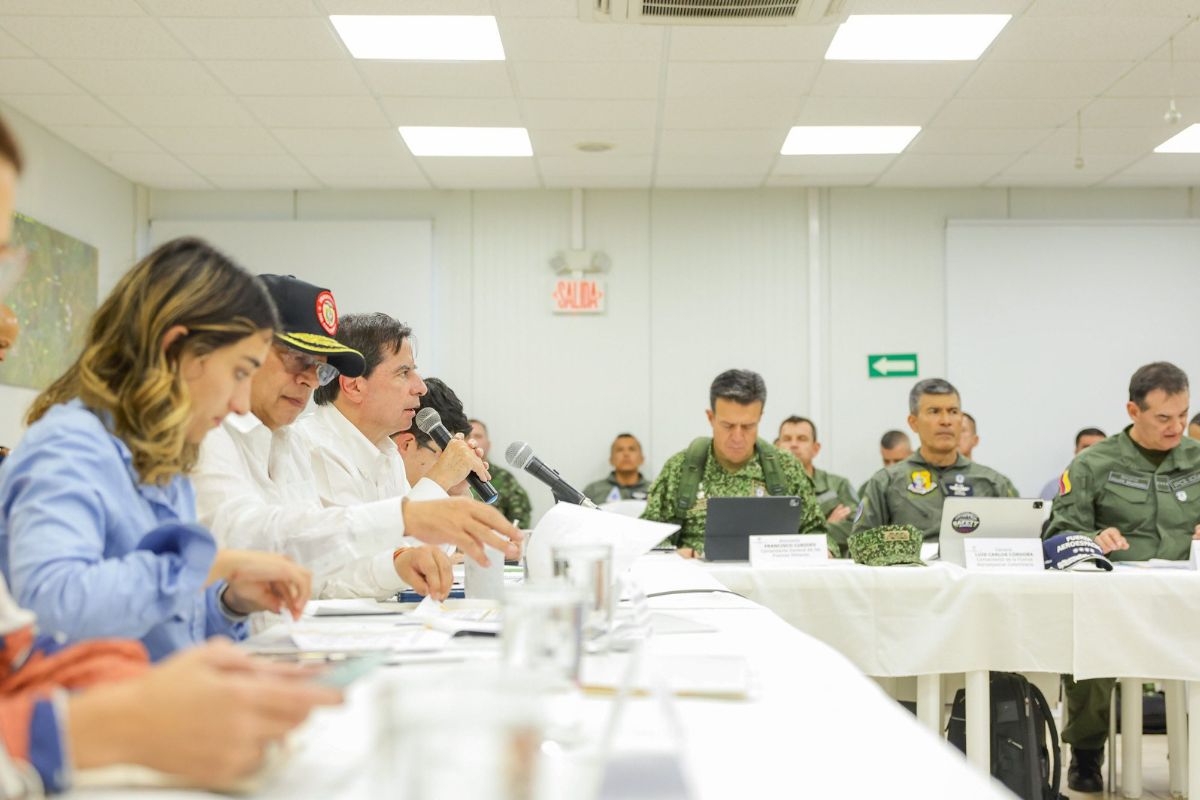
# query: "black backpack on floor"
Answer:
x=1021 y=759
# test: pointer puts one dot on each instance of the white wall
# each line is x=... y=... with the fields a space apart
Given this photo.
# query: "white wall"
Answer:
x=65 y=189
x=701 y=281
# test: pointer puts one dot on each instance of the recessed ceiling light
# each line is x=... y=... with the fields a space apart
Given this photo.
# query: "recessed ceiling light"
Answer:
x=429 y=141
x=841 y=140
x=420 y=38
x=1186 y=141
x=915 y=37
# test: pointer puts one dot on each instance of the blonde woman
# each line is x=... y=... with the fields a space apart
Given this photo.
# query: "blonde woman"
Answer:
x=97 y=533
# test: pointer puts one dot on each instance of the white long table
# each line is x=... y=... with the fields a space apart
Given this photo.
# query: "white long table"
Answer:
x=913 y=621
x=815 y=726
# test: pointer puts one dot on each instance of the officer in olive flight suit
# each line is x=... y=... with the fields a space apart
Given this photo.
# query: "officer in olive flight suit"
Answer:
x=911 y=492
x=1137 y=494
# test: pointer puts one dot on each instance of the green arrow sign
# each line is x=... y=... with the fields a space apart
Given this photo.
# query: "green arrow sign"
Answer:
x=892 y=365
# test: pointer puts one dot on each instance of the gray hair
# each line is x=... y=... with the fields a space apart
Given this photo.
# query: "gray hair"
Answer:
x=739 y=385
x=928 y=386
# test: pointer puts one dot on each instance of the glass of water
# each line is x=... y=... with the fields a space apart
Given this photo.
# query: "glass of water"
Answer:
x=589 y=568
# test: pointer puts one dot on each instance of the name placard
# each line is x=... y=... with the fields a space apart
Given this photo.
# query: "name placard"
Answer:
x=1017 y=555
x=788 y=550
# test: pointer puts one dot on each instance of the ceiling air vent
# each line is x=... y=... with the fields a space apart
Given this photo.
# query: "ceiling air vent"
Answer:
x=714 y=12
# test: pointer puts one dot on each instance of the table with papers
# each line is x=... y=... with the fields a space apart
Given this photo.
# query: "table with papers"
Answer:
x=809 y=725
x=1136 y=622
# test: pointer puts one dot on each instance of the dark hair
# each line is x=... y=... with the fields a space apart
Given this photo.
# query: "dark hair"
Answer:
x=9 y=151
x=795 y=419
x=739 y=385
x=974 y=427
x=376 y=336
x=893 y=438
x=1092 y=432
x=1195 y=420
x=478 y=422
x=1158 y=375
x=621 y=436
x=928 y=386
x=442 y=399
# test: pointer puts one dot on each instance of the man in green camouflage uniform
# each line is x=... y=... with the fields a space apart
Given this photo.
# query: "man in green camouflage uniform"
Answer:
x=911 y=492
x=798 y=435
x=513 y=502
x=736 y=463
x=1137 y=494
x=626 y=481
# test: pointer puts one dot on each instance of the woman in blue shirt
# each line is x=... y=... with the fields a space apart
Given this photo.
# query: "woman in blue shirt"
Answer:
x=97 y=532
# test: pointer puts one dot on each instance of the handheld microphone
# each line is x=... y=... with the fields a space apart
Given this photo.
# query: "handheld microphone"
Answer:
x=520 y=455
x=430 y=422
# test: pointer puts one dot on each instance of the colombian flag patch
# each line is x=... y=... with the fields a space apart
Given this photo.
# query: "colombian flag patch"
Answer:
x=1064 y=483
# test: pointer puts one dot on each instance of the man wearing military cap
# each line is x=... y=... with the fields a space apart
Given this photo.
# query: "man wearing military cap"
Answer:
x=254 y=481
x=733 y=463
x=912 y=491
x=1137 y=494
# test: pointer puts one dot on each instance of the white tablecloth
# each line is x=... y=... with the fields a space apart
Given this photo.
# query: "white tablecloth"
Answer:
x=806 y=732
x=897 y=621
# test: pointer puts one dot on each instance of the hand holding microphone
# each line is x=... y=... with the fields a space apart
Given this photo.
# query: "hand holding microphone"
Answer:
x=454 y=466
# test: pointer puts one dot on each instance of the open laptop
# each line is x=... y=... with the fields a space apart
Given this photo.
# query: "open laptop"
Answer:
x=732 y=521
x=986 y=518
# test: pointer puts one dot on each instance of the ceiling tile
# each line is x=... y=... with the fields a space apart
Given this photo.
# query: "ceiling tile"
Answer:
x=538 y=8
x=11 y=48
x=867 y=110
x=494 y=111
x=731 y=79
x=629 y=80
x=858 y=79
x=406 y=6
x=571 y=114
x=284 y=181
x=1124 y=8
x=1107 y=141
x=481 y=173
x=829 y=179
x=107 y=140
x=697 y=112
x=1126 y=112
x=178 y=110
x=967 y=141
x=268 y=166
x=360 y=172
x=1160 y=169
x=914 y=169
x=215 y=141
x=754 y=166
x=1034 y=79
x=158 y=170
x=572 y=40
x=1090 y=37
x=34 y=76
x=71 y=8
x=563 y=143
x=596 y=166
x=232 y=8
x=1042 y=169
x=726 y=43
x=694 y=181
x=1187 y=45
x=426 y=79
x=1155 y=79
x=833 y=165
x=94 y=37
x=289 y=78
x=258 y=39
x=981 y=113
x=940 y=6
x=717 y=144
x=163 y=77
x=365 y=142
x=63 y=109
x=317 y=112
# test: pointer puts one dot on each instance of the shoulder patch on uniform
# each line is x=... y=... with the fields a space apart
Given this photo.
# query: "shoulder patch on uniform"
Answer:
x=1064 y=483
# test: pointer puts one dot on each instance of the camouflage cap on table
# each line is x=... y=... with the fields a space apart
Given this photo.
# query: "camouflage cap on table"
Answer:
x=887 y=544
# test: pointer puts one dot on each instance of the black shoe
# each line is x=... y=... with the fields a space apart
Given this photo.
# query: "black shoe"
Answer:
x=1084 y=773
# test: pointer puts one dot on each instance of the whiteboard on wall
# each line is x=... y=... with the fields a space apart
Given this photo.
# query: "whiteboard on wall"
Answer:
x=1046 y=322
x=368 y=265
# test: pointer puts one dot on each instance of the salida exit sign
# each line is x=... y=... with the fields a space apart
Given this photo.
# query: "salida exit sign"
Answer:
x=578 y=296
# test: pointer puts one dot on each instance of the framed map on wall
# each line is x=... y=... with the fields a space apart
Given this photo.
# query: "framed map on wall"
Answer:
x=54 y=302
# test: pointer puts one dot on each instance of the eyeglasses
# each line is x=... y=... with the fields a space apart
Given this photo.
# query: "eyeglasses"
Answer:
x=297 y=363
